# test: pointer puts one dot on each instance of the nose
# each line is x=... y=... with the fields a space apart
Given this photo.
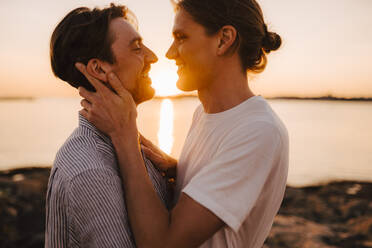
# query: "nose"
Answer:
x=151 y=56
x=172 y=52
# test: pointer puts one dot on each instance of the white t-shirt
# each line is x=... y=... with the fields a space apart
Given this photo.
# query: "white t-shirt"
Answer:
x=235 y=163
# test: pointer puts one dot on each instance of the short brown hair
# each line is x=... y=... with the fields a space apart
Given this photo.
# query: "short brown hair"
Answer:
x=82 y=35
x=253 y=41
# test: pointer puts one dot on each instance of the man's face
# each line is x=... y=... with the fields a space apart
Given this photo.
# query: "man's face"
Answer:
x=193 y=52
x=132 y=60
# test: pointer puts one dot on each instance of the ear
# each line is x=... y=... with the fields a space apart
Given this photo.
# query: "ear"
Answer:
x=98 y=69
x=227 y=36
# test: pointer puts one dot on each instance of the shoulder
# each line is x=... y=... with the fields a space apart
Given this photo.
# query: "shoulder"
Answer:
x=257 y=121
x=197 y=113
x=94 y=177
x=84 y=151
x=90 y=184
x=252 y=134
x=255 y=133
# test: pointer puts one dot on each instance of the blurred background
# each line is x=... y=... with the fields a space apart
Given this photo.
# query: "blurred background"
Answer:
x=325 y=56
x=319 y=83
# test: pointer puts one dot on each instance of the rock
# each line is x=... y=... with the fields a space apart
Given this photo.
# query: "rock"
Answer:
x=22 y=207
x=338 y=214
x=361 y=226
x=292 y=231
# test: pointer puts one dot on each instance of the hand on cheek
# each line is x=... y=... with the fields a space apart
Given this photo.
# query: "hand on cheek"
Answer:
x=114 y=114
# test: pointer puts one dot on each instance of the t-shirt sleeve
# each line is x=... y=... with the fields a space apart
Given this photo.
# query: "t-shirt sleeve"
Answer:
x=97 y=210
x=231 y=183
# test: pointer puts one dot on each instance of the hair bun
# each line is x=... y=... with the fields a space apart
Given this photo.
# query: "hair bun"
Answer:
x=271 y=42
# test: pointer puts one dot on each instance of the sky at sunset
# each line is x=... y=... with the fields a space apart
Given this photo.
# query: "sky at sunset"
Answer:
x=327 y=46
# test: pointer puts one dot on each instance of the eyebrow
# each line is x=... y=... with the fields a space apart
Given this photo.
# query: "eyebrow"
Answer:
x=135 y=39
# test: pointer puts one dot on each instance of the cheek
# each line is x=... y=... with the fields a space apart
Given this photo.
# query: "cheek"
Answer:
x=194 y=55
x=137 y=64
x=125 y=77
x=130 y=72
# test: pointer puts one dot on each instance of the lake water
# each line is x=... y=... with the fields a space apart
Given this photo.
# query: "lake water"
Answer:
x=329 y=140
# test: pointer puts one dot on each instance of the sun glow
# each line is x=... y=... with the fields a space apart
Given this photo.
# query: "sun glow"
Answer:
x=164 y=83
x=165 y=134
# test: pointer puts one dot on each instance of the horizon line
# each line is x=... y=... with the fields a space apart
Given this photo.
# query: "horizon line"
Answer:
x=324 y=97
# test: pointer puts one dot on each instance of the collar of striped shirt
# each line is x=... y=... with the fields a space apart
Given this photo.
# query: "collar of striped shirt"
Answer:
x=85 y=123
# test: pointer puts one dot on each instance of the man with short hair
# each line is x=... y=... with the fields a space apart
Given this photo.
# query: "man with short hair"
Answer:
x=85 y=204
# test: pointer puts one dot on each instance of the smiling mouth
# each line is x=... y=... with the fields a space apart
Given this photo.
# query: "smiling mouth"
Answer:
x=180 y=66
x=145 y=72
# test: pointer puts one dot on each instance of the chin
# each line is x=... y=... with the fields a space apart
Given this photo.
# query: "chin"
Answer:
x=186 y=84
x=145 y=95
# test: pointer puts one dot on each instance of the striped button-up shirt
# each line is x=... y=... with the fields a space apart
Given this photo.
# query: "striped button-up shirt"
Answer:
x=85 y=204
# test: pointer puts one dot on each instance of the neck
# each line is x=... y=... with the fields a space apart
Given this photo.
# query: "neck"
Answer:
x=227 y=90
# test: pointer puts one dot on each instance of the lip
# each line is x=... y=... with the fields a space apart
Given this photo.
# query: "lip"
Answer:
x=179 y=63
x=145 y=71
x=180 y=68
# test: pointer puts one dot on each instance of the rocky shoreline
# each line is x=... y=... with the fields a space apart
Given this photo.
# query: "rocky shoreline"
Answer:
x=337 y=214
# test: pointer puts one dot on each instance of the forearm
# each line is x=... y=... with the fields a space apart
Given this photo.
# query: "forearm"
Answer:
x=148 y=216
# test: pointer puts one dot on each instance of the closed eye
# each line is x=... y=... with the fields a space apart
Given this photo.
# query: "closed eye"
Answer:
x=179 y=36
x=137 y=46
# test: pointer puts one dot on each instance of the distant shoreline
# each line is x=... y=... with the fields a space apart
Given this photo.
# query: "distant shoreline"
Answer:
x=175 y=97
x=322 y=98
x=5 y=99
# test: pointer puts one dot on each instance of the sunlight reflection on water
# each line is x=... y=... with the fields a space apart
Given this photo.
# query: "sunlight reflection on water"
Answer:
x=329 y=140
x=165 y=134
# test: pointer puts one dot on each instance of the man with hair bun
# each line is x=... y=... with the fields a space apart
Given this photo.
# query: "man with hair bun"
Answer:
x=232 y=171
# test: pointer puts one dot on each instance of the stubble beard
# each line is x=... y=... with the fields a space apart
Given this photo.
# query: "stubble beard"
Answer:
x=142 y=92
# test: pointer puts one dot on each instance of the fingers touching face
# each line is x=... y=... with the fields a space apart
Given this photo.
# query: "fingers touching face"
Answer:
x=132 y=60
x=103 y=97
